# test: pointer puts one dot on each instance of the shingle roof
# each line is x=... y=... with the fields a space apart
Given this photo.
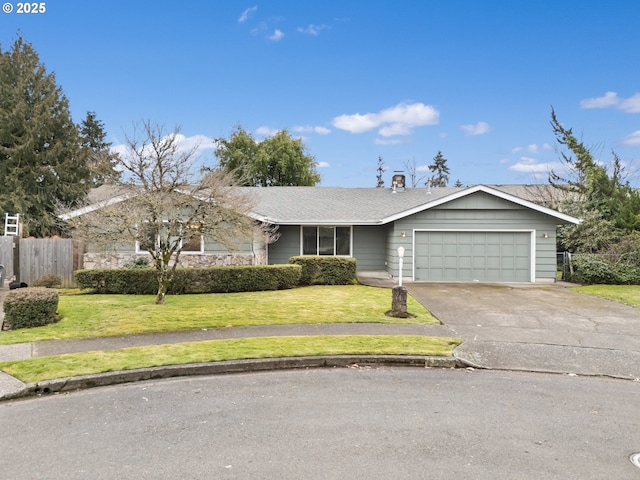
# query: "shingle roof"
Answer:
x=357 y=206
x=325 y=205
x=365 y=206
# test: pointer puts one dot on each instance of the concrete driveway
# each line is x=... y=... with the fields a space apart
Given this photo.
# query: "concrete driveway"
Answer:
x=537 y=328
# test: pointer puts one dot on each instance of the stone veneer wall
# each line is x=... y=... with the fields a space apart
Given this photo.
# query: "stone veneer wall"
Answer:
x=119 y=260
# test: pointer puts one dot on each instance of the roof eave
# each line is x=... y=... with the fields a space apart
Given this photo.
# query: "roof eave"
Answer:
x=490 y=191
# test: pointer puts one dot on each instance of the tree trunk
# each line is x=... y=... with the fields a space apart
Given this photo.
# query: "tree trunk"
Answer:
x=163 y=283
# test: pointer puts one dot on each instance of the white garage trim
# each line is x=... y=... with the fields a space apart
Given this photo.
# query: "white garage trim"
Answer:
x=532 y=253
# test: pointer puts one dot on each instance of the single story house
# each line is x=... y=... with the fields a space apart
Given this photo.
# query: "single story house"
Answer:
x=473 y=234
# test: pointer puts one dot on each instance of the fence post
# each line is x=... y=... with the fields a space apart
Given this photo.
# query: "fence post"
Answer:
x=16 y=257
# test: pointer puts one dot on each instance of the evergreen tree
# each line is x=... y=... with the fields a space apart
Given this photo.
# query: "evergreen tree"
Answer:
x=594 y=188
x=380 y=170
x=440 y=176
x=40 y=160
x=96 y=150
x=458 y=184
x=610 y=209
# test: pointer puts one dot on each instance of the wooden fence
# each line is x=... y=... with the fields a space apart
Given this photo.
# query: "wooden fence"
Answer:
x=30 y=258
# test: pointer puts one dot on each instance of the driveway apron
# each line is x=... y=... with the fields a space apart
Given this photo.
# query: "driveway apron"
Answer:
x=537 y=328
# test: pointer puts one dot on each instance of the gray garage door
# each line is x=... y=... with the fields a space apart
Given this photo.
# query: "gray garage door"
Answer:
x=473 y=256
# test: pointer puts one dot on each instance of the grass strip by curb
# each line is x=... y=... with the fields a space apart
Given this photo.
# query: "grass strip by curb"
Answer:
x=85 y=363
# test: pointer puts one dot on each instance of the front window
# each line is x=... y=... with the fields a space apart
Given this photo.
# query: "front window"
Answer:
x=326 y=241
x=192 y=242
x=149 y=239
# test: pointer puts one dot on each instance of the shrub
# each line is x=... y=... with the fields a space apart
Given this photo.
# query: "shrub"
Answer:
x=191 y=280
x=30 y=307
x=49 y=280
x=118 y=280
x=591 y=269
x=627 y=274
x=320 y=270
x=140 y=262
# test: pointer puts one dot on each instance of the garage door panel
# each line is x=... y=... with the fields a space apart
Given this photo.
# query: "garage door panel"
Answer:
x=473 y=256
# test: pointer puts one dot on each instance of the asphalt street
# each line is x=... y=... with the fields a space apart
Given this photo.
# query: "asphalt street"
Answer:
x=356 y=423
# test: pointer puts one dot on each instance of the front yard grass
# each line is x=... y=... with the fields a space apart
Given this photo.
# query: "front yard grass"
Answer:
x=62 y=366
x=629 y=294
x=87 y=315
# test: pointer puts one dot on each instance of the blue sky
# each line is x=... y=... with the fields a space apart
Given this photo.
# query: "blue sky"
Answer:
x=357 y=79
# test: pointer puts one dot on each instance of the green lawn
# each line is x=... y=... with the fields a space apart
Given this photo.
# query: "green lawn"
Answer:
x=62 y=366
x=104 y=315
x=629 y=294
x=86 y=315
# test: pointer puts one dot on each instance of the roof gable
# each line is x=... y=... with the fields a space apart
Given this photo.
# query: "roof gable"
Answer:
x=491 y=191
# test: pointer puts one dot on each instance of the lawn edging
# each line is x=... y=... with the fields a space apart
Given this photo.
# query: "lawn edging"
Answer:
x=82 y=382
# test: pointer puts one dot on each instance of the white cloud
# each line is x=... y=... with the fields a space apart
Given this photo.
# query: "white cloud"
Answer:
x=398 y=120
x=611 y=99
x=384 y=141
x=277 y=35
x=266 y=131
x=395 y=129
x=631 y=104
x=532 y=148
x=633 y=139
x=245 y=15
x=531 y=165
x=197 y=144
x=422 y=168
x=479 y=128
x=309 y=129
x=313 y=29
x=323 y=165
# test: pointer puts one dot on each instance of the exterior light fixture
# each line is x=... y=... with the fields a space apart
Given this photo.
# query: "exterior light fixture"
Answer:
x=545 y=235
x=403 y=234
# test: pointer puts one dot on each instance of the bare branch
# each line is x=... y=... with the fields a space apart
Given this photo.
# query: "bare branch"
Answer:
x=163 y=205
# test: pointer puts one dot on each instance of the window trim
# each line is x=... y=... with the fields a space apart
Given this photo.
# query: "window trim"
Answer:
x=317 y=227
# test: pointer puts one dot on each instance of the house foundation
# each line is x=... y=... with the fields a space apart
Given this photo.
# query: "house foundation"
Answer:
x=93 y=261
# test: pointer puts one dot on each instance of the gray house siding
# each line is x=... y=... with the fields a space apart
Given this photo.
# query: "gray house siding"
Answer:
x=369 y=245
x=287 y=245
x=477 y=212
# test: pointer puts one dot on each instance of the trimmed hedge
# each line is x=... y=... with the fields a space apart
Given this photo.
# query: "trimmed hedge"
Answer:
x=49 y=280
x=30 y=307
x=191 y=280
x=320 y=270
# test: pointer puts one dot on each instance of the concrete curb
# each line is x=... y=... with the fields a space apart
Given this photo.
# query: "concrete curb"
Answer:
x=62 y=385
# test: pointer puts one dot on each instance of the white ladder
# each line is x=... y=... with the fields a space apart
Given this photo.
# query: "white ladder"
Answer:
x=11 y=224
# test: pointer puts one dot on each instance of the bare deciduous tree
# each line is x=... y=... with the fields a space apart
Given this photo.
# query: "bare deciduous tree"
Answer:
x=163 y=205
x=413 y=170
